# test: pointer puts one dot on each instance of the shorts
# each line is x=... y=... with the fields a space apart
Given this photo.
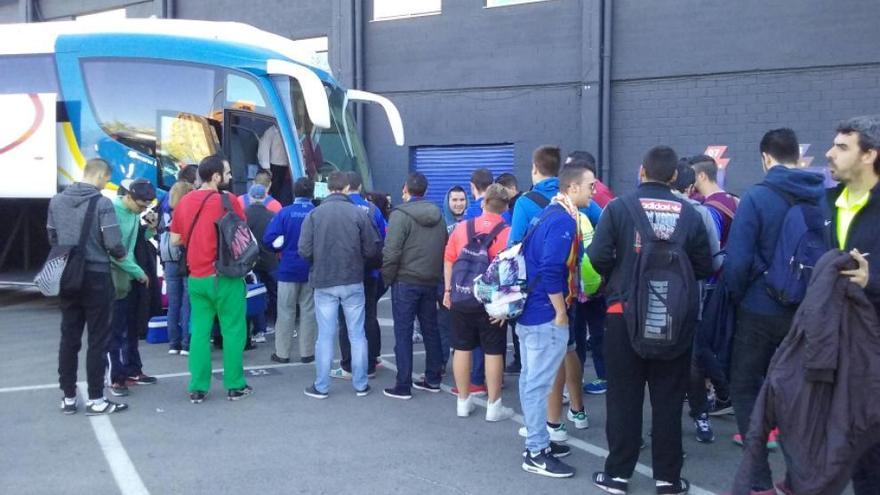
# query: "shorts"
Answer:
x=471 y=330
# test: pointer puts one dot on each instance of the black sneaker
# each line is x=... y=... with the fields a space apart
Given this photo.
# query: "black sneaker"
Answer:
x=274 y=357
x=105 y=407
x=141 y=379
x=546 y=464
x=513 y=368
x=427 y=387
x=313 y=392
x=118 y=390
x=720 y=407
x=606 y=483
x=363 y=393
x=68 y=408
x=197 y=397
x=704 y=429
x=307 y=359
x=557 y=450
x=397 y=393
x=680 y=487
x=239 y=393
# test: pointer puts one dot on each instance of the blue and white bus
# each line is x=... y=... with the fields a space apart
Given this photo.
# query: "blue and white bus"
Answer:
x=151 y=96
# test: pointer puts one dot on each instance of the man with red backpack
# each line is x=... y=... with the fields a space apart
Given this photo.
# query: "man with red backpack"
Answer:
x=474 y=243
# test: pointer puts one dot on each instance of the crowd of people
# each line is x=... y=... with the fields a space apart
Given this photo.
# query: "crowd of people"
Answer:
x=678 y=286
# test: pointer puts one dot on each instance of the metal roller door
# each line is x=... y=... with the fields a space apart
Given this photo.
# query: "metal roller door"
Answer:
x=447 y=166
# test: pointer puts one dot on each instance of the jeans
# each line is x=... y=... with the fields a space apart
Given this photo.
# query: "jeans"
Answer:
x=327 y=302
x=92 y=306
x=478 y=367
x=123 y=356
x=594 y=312
x=178 y=306
x=291 y=294
x=542 y=348
x=408 y=302
x=667 y=382
x=444 y=329
x=756 y=339
x=371 y=328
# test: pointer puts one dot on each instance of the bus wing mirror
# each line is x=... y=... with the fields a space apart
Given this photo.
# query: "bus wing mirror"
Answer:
x=390 y=110
x=313 y=89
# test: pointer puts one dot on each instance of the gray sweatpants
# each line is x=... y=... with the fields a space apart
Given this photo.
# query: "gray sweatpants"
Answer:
x=291 y=294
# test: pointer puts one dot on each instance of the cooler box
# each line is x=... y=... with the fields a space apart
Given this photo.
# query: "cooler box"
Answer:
x=157 y=330
x=256 y=299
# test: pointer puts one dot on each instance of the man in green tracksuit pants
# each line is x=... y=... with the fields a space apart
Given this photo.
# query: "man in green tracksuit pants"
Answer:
x=211 y=295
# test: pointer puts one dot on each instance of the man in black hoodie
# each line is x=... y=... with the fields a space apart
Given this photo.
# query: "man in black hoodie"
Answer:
x=412 y=264
x=762 y=323
x=614 y=253
x=93 y=304
x=854 y=206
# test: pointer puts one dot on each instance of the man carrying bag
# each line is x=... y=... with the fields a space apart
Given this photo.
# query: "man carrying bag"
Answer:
x=81 y=217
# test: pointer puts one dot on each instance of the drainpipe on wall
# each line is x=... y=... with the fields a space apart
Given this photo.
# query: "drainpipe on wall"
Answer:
x=25 y=10
x=605 y=131
x=359 y=59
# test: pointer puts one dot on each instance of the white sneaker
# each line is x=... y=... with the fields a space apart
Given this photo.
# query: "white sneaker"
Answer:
x=173 y=351
x=340 y=373
x=259 y=338
x=465 y=407
x=497 y=412
x=417 y=337
x=580 y=419
x=556 y=434
x=270 y=330
x=184 y=352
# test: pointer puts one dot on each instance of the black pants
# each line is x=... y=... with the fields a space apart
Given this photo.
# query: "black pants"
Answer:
x=93 y=306
x=371 y=328
x=756 y=339
x=281 y=188
x=123 y=356
x=667 y=382
x=866 y=476
x=268 y=279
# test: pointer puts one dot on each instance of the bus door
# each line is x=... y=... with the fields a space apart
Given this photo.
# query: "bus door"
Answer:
x=243 y=133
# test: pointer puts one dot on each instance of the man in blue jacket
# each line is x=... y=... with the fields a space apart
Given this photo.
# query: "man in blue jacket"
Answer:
x=762 y=323
x=543 y=325
x=481 y=179
x=282 y=235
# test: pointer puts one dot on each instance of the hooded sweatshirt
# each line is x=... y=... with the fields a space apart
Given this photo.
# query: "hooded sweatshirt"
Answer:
x=451 y=218
x=526 y=209
x=127 y=269
x=755 y=232
x=67 y=212
x=414 y=247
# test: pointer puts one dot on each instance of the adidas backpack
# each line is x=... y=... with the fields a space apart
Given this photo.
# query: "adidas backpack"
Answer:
x=237 y=249
x=663 y=305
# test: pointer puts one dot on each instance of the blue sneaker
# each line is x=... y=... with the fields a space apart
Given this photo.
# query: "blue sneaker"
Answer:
x=596 y=387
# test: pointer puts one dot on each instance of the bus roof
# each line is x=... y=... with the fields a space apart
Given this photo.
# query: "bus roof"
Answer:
x=40 y=37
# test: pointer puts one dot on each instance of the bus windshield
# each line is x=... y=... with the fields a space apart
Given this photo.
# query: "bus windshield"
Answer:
x=325 y=150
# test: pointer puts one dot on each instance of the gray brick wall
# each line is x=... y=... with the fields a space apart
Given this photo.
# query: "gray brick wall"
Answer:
x=735 y=110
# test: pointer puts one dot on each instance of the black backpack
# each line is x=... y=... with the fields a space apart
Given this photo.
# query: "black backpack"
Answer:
x=237 y=249
x=664 y=302
x=472 y=262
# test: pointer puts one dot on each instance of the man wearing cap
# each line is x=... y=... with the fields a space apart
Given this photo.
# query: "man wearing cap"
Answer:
x=122 y=350
x=258 y=218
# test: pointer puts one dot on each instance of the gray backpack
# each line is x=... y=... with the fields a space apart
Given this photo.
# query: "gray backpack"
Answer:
x=237 y=249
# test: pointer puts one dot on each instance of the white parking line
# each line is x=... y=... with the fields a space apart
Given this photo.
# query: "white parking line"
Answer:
x=124 y=472
x=574 y=442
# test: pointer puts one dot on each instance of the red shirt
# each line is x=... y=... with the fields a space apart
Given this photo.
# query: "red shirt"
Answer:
x=484 y=224
x=602 y=195
x=201 y=250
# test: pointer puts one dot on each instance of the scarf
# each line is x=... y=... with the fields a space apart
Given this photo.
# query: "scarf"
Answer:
x=575 y=292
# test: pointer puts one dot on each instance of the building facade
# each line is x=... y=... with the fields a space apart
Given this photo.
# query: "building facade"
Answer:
x=495 y=78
